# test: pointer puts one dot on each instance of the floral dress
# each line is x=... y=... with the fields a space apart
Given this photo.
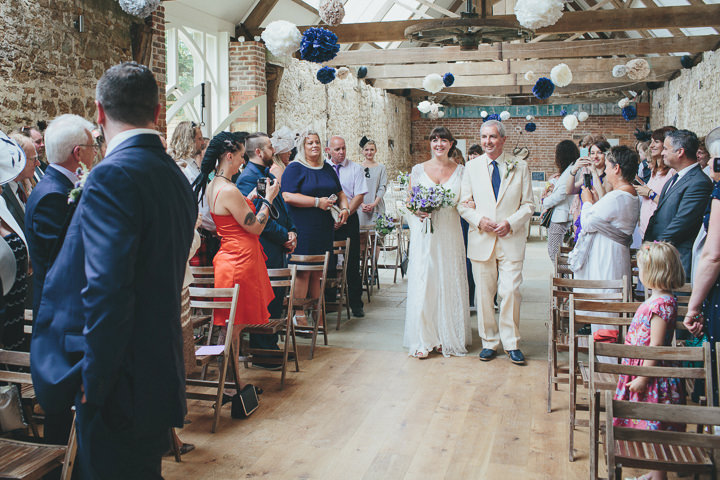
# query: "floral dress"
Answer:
x=659 y=390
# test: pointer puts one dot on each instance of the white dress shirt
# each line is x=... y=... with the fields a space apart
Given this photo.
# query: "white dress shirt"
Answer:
x=70 y=175
x=122 y=136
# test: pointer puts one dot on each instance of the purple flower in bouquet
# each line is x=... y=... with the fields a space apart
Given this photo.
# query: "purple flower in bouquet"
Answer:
x=428 y=199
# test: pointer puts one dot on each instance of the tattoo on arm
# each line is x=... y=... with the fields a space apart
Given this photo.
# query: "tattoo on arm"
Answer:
x=249 y=219
x=262 y=218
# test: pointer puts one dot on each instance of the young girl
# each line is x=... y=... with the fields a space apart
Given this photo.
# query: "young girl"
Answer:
x=653 y=325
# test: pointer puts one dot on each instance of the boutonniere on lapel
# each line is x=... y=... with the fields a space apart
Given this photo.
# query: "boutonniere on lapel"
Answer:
x=511 y=164
x=74 y=196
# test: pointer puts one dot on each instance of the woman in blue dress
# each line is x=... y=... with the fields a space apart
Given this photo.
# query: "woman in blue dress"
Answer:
x=310 y=187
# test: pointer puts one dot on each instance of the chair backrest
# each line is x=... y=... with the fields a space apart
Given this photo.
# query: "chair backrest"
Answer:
x=597 y=290
x=313 y=263
x=15 y=359
x=217 y=298
x=203 y=275
x=341 y=246
x=284 y=277
x=605 y=313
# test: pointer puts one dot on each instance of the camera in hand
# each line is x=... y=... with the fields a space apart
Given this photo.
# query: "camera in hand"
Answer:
x=716 y=164
x=587 y=180
x=261 y=187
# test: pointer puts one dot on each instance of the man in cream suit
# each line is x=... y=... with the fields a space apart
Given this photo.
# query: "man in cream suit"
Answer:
x=497 y=201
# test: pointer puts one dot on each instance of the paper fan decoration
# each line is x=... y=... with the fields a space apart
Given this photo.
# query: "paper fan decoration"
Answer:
x=433 y=83
x=582 y=116
x=561 y=75
x=543 y=88
x=448 y=79
x=570 y=122
x=637 y=69
x=504 y=115
x=318 y=45
x=619 y=71
x=326 y=75
x=629 y=113
x=424 y=106
x=343 y=72
x=535 y=14
x=281 y=38
x=530 y=127
x=331 y=12
x=139 y=8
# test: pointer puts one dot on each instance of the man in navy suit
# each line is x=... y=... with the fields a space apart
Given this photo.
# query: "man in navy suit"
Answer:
x=108 y=328
x=279 y=237
x=683 y=199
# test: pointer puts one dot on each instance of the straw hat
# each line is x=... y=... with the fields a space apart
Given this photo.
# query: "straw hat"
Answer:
x=12 y=159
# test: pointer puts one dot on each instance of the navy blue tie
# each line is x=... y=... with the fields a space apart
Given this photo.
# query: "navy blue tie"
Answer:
x=672 y=181
x=495 y=178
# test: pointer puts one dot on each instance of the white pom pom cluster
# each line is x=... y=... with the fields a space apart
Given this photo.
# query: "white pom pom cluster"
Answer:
x=530 y=76
x=561 y=75
x=637 y=69
x=538 y=13
x=570 y=122
x=342 y=73
x=624 y=102
x=433 y=83
x=582 y=116
x=619 y=71
x=483 y=114
x=139 y=8
x=282 y=38
x=332 y=12
x=424 y=106
x=505 y=115
x=529 y=118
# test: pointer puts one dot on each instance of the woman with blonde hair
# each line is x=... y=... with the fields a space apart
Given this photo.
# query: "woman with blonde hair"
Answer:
x=186 y=142
x=376 y=179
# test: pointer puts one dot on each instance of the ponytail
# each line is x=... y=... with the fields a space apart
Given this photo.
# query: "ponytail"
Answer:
x=220 y=144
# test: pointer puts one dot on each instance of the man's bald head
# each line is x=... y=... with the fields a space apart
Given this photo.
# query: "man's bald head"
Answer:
x=336 y=149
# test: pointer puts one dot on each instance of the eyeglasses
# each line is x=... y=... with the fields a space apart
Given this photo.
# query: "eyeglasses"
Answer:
x=93 y=145
x=367 y=172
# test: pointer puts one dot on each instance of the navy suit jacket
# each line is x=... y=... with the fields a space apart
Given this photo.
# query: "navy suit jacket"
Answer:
x=680 y=213
x=275 y=233
x=45 y=216
x=109 y=316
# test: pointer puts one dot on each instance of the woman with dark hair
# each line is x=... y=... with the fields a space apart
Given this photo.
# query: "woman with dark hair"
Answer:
x=593 y=165
x=602 y=251
x=240 y=259
x=437 y=315
x=566 y=153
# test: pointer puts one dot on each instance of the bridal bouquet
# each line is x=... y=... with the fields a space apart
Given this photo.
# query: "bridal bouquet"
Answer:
x=384 y=224
x=427 y=200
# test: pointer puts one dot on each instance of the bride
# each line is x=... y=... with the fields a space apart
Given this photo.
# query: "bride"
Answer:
x=438 y=312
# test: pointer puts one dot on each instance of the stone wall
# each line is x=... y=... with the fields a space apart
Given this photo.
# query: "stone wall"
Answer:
x=541 y=142
x=690 y=101
x=48 y=68
x=349 y=108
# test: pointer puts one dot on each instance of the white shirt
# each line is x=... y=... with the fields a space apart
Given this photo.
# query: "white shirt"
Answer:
x=500 y=163
x=122 y=136
x=681 y=174
x=70 y=175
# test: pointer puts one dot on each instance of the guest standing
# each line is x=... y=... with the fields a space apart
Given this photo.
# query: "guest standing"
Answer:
x=376 y=178
x=566 y=153
x=283 y=142
x=310 y=187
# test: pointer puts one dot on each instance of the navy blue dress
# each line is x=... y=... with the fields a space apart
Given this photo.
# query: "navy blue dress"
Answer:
x=315 y=227
x=711 y=306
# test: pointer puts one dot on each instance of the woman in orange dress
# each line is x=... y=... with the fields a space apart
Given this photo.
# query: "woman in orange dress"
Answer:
x=240 y=260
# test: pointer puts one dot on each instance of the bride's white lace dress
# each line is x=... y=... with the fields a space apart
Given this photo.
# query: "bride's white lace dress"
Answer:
x=438 y=311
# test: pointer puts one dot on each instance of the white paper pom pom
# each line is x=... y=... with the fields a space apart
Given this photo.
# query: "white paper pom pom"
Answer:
x=342 y=73
x=433 y=83
x=504 y=115
x=441 y=114
x=282 y=38
x=570 y=122
x=582 y=116
x=139 y=8
x=483 y=114
x=619 y=71
x=624 y=103
x=561 y=75
x=529 y=118
x=538 y=13
x=530 y=76
x=332 y=12
x=637 y=69
x=424 y=106
x=632 y=93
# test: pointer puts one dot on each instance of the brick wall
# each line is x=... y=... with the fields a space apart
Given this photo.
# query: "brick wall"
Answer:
x=541 y=142
x=158 y=61
x=247 y=80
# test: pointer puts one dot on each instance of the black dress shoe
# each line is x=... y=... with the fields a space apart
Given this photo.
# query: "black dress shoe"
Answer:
x=487 y=354
x=516 y=357
x=358 y=312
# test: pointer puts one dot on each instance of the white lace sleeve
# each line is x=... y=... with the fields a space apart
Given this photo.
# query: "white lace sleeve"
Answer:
x=415 y=174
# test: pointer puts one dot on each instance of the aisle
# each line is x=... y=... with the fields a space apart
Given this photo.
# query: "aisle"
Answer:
x=362 y=409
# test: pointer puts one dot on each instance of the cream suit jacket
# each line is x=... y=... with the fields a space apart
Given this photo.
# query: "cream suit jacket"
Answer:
x=514 y=204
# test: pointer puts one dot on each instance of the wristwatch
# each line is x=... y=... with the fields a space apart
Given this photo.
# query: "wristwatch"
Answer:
x=652 y=195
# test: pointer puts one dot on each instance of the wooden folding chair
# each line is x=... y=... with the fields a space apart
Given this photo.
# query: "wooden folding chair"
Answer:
x=604 y=313
x=339 y=282
x=670 y=451
x=561 y=263
x=669 y=354
x=279 y=278
x=393 y=244
x=216 y=298
x=12 y=364
x=313 y=306
x=367 y=260
x=557 y=327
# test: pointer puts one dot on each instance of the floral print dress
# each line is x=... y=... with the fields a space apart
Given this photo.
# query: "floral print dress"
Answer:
x=659 y=390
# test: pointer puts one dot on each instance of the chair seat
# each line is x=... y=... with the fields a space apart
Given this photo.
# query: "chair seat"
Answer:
x=603 y=381
x=635 y=454
x=20 y=460
x=269 y=328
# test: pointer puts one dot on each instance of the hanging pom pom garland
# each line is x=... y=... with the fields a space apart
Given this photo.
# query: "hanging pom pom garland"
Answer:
x=362 y=72
x=441 y=114
x=543 y=88
x=433 y=83
x=504 y=115
x=624 y=102
x=343 y=72
x=483 y=114
x=530 y=127
x=448 y=79
x=139 y=8
x=282 y=38
x=582 y=116
x=535 y=14
x=529 y=118
x=424 y=106
x=561 y=75
x=318 y=45
x=570 y=122
x=326 y=75
x=686 y=61
x=563 y=112
x=637 y=69
x=619 y=71
x=331 y=12
x=492 y=116
x=629 y=113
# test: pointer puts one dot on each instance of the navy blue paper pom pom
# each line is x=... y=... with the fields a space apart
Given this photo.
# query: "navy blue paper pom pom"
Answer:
x=318 y=45
x=629 y=113
x=362 y=72
x=543 y=88
x=686 y=61
x=563 y=112
x=448 y=79
x=530 y=127
x=492 y=116
x=326 y=75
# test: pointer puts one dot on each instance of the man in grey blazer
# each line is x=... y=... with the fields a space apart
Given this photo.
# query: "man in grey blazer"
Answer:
x=683 y=199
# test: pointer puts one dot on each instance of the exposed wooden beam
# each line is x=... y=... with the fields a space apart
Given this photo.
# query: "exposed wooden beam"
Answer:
x=571 y=22
x=658 y=64
x=307 y=7
x=609 y=89
x=575 y=49
x=437 y=8
x=259 y=14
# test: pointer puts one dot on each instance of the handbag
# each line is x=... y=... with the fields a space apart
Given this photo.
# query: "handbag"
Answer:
x=11 y=414
x=546 y=217
x=245 y=402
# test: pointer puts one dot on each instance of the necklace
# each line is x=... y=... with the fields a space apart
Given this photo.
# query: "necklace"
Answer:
x=222 y=176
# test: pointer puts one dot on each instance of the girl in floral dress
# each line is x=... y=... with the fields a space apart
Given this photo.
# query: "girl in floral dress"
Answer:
x=653 y=325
